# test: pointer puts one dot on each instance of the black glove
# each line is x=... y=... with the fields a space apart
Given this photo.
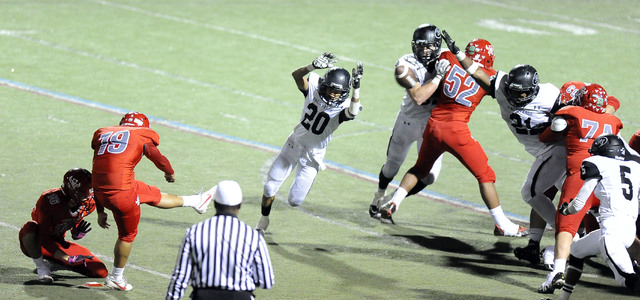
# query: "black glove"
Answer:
x=451 y=44
x=564 y=209
x=356 y=75
x=80 y=230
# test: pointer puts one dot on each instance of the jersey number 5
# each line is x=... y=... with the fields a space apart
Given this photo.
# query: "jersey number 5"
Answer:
x=113 y=142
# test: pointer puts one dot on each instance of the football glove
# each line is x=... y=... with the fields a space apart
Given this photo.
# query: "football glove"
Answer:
x=451 y=44
x=442 y=66
x=80 y=230
x=324 y=61
x=564 y=209
x=79 y=259
x=356 y=75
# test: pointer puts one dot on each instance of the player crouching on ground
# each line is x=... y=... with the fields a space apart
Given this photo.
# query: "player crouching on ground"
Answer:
x=59 y=210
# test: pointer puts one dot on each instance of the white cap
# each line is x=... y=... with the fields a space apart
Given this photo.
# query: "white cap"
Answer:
x=228 y=193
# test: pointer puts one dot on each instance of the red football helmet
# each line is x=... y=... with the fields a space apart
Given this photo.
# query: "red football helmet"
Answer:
x=568 y=92
x=481 y=51
x=76 y=184
x=592 y=97
x=134 y=119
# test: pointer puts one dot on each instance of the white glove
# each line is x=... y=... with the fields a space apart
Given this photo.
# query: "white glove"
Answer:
x=442 y=66
x=558 y=124
x=324 y=61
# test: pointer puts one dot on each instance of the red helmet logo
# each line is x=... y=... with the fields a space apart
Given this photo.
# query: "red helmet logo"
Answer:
x=481 y=51
x=568 y=92
x=593 y=97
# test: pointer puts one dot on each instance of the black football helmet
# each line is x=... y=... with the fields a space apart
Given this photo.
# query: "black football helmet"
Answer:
x=522 y=85
x=426 y=35
x=76 y=184
x=609 y=145
x=335 y=81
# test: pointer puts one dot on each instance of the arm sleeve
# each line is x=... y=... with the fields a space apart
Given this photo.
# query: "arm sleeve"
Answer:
x=182 y=272
x=263 y=270
x=151 y=151
x=585 y=191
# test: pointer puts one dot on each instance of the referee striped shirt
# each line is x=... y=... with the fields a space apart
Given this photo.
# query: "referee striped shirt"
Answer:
x=222 y=253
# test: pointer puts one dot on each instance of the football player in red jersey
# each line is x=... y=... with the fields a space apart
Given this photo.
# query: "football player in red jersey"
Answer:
x=578 y=125
x=117 y=150
x=57 y=211
x=448 y=130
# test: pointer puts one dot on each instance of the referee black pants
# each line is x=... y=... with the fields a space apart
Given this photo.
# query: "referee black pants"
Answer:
x=206 y=294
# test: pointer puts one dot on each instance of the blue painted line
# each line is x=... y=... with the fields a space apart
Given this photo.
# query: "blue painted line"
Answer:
x=247 y=143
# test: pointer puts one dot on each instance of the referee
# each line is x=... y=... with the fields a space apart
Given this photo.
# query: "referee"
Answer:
x=222 y=257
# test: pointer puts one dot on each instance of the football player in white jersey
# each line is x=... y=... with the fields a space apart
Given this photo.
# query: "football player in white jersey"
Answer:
x=417 y=73
x=526 y=105
x=325 y=108
x=612 y=173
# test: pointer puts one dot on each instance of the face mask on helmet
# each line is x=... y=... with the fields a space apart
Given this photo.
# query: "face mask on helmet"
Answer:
x=593 y=97
x=426 y=43
x=481 y=51
x=609 y=145
x=335 y=86
x=568 y=92
x=522 y=85
x=76 y=184
x=134 y=119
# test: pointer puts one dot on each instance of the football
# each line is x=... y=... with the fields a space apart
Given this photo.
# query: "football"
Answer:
x=405 y=77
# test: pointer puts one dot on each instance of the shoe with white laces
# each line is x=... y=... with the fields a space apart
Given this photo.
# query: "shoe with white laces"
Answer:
x=548 y=257
x=521 y=232
x=374 y=212
x=386 y=211
x=44 y=275
x=205 y=200
x=549 y=286
x=263 y=223
x=121 y=285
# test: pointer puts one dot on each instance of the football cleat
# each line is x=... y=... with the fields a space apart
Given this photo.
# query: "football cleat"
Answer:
x=374 y=212
x=522 y=232
x=263 y=223
x=548 y=257
x=205 y=200
x=529 y=253
x=44 y=276
x=386 y=211
x=556 y=283
x=121 y=285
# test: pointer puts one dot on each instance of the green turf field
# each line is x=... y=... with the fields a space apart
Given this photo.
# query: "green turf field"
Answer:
x=214 y=76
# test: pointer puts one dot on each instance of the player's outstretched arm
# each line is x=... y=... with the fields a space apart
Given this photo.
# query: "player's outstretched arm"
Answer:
x=467 y=63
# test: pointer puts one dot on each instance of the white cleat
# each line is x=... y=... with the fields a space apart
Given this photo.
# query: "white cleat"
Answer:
x=263 y=223
x=205 y=200
x=44 y=276
x=374 y=210
x=122 y=285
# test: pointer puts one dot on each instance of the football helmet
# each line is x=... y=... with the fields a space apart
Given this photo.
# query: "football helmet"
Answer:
x=134 y=119
x=609 y=145
x=592 y=97
x=336 y=81
x=481 y=51
x=76 y=184
x=426 y=36
x=568 y=92
x=522 y=85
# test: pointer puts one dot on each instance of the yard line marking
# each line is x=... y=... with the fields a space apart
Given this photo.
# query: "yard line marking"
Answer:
x=559 y=16
x=232 y=31
x=166 y=74
x=340 y=168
